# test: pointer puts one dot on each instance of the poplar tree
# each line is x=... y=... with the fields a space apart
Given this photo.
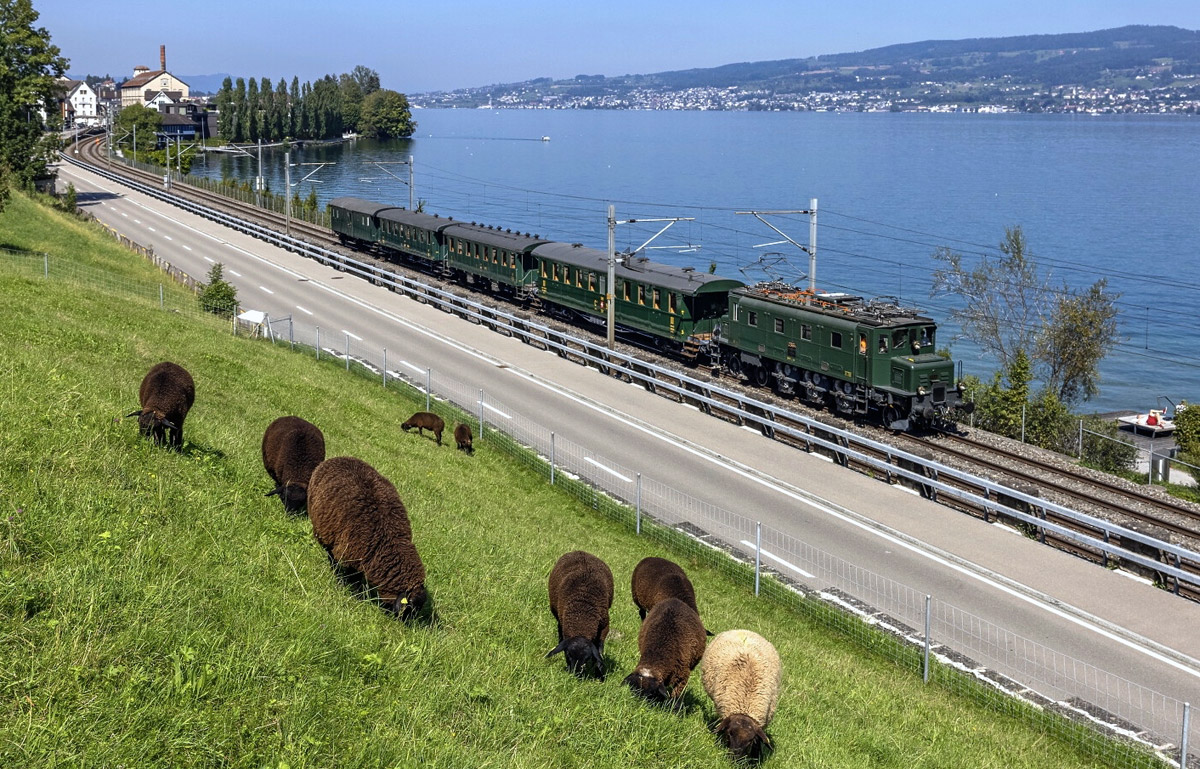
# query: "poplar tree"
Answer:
x=239 y=111
x=225 y=114
x=253 y=128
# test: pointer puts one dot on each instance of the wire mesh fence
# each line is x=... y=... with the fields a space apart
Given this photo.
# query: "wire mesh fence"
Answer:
x=1111 y=717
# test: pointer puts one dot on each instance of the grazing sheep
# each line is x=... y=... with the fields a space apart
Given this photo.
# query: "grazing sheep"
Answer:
x=358 y=517
x=291 y=449
x=581 y=593
x=656 y=579
x=463 y=437
x=741 y=674
x=166 y=395
x=424 y=420
x=671 y=643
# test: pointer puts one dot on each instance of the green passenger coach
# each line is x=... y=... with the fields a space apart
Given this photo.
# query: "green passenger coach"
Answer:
x=500 y=260
x=356 y=220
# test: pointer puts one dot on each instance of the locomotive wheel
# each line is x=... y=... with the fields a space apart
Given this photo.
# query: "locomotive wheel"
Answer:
x=761 y=376
x=734 y=363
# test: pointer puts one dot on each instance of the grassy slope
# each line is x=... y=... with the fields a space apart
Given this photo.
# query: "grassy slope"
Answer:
x=157 y=610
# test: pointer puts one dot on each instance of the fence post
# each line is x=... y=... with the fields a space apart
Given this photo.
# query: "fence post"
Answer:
x=638 y=504
x=757 y=554
x=1022 y=423
x=428 y=381
x=291 y=334
x=45 y=265
x=481 y=413
x=385 y=368
x=1081 y=440
x=347 y=350
x=1183 y=740
x=925 y=663
x=1150 y=469
x=160 y=296
x=234 y=319
x=318 y=343
x=552 y=458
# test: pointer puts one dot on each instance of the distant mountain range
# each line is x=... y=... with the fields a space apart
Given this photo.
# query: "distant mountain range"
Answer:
x=204 y=83
x=932 y=71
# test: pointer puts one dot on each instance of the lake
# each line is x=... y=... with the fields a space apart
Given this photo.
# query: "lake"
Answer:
x=1097 y=196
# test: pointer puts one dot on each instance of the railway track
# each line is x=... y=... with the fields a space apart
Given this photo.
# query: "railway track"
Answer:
x=1027 y=470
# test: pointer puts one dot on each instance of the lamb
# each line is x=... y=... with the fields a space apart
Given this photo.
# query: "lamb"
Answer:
x=741 y=674
x=655 y=579
x=671 y=643
x=463 y=437
x=359 y=519
x=167 y=394
x=291 y=449
x=424 y=420
x=581 y=593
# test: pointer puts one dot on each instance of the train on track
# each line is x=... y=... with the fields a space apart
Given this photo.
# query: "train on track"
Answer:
x=870 y=359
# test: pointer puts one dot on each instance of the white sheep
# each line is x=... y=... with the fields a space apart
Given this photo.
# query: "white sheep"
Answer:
x=741 y=672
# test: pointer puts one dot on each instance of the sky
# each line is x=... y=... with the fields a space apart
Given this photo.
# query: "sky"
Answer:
x=425 y=46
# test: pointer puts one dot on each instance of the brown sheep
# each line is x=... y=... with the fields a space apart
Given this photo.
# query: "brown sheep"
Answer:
x=671 y=643
x=359 y=519
x=424 y=420
x=167 y=394
x=656 y=579
x=291 y=449
x=581 y=593
x=463 y=437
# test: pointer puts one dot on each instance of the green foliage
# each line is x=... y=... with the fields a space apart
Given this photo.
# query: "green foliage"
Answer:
x=386 y=115
x=147 y=122
x=218 y=296
x=1107 y=451
x=70 y=200
x=29 y=64
x=1187 y=427
x=1007 y=307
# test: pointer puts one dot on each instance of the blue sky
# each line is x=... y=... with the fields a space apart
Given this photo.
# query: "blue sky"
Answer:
x=426 y=46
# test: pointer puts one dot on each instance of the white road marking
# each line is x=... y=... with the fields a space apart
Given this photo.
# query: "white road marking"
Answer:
x=608 y=470
x=415 y=368
x=493 y=409
x=301 y=309
x=189 y=248
x=777 y=559
x=151 y=229
x=350 y=333
x=235 y=273
x=209 y=259
x=137 y=221
x=264 y=288
x=125 y=214
x=168 y=237
x=1093 y=624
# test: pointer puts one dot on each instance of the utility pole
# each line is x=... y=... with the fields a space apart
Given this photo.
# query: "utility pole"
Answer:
x=287 y=206
x=610 y=287
x=810 y=249
x=409 y=163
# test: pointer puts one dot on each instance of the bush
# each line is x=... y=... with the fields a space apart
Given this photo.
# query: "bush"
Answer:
x=218 y=296
x=1187 y=428
x=1107 y=451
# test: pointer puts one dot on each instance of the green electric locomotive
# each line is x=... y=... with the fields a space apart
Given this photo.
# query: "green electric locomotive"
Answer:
x=860 y=358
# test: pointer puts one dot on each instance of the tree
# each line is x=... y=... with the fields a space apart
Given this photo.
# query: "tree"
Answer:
x=29 y=65
x=239 y=111
x=367 y=79
x=218 y=296
x=352 y=101
x=225 y=110
x=385 y=115
x=253 y=117
x=280 y=129
x=1008 y=308
x=147 y=123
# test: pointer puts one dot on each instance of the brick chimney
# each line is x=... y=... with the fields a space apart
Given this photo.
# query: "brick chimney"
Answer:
x=162 y=58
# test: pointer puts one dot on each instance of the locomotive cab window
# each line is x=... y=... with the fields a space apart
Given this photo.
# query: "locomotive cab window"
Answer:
x=835 y=339
x=779 y=325
x=752 y=318
x=806 y=332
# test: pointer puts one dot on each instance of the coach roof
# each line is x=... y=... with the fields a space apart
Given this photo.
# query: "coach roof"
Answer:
x=685 y=280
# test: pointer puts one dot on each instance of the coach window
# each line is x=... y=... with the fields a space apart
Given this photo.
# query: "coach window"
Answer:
x=657 y=298
x=625 y=289
x=752 y=318
x=556 y=272
x=641 y=294
x=591 y=281
x=835 y=339
x=671 y=303
x=779 y=325
x=543 y=269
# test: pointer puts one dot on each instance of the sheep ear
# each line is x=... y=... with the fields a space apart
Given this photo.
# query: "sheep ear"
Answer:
x=759 y=733
x=662 y=692
x=137 y=413
x=561 y=645
x=168 y=423
x=599 y=662
x=723 y=726
x=274 y=491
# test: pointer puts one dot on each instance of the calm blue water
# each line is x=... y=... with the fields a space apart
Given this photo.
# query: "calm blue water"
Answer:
x=1112 y=197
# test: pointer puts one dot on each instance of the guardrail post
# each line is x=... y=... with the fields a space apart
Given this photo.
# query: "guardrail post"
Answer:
x=551 y=458
x=757 y=555
x=385 y=368
x=1183 y=740
x=638 y=503
x=925 y=662
x=481 y=414
x=428 y=380
x=318 y=343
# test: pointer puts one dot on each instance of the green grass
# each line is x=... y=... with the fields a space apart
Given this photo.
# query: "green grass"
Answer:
x=157 y=610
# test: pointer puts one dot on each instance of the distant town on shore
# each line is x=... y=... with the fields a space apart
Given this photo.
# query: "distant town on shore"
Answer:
x=1134 y=69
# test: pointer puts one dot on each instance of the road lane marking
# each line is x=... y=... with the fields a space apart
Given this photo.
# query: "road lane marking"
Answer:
x=264 y=288
x=189 y=248
x=349 y=333
x=235 y=273
x=151 y=229
x=302 y=309
x=493 y=409
x=414 y=367
x=777 y=559
x=168 y=237
x=608 y=470
x=210 y=259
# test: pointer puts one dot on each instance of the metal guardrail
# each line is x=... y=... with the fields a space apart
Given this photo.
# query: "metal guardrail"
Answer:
x=766 y=416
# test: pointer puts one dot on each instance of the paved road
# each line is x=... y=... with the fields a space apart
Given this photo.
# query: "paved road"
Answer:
x=1106 y=619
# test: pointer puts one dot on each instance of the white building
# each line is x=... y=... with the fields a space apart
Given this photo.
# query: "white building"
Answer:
x=82 y=103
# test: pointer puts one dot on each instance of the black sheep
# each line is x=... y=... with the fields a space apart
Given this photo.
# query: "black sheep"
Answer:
x=656 y=579
x=167 y=394
x=671 y=642
x=581 y=593
x=291 y=449
x=424 y=420
x=359 y=519
x=463 y=437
